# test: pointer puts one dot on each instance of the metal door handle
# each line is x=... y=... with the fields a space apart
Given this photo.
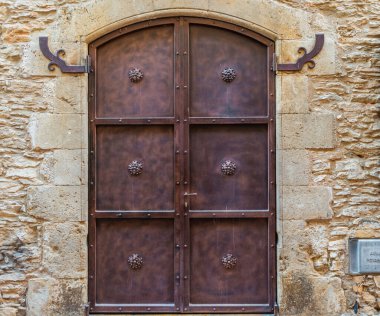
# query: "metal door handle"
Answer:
x=187 y=194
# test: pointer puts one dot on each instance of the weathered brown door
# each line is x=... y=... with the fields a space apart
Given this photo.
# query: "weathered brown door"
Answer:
x=182 y=195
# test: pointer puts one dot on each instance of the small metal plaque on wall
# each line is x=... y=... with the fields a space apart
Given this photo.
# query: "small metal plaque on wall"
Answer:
x=364 y=256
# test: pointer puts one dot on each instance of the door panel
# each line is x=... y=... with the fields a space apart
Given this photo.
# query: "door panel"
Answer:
x=181 y=178
x=134 y=261
x=135 y=168
x=150 y=51
x=229 y=167
x=229 y=261
x=212 y=51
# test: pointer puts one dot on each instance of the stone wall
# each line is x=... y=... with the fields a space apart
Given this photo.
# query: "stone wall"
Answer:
x=327 y=141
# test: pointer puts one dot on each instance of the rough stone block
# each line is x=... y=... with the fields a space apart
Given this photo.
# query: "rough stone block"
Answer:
x=193 y=4
x=55 y=203
x=294 y=94
x=64 y=250
x=49 y=131
x=8 y=311
x=325 y=60
x=51 y=297
x=283 y=20
x=67 y=169
x=306 y=203
x=64 y=167
x=295 y=167
x=308 y=295
x=66 y=94
x=301 y=131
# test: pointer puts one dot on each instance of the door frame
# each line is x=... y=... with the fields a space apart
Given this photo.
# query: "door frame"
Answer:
x=271 y=155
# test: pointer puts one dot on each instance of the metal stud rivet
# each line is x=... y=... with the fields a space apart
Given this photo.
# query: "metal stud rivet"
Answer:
x=177 y=246
x=119 y=308
x=177 y=121
x=177 y=183
x=242 y=120
x=91 y=120
x=91 y=245
x=242 y=214
x=148 y=214
x=185 y=246
x=272 y=214
x=272 y=245
x=177 y=53
x=243 y=309
x=120 y=120
x=185 y=309
x=149 y=121
x=213 y=121
x=92 y=183
x=148 y=309
x=185 y=120
x=271 y=120
x=119 y=214
x=91 y=214
x=185 y=214
x=92 y=151
x=91 y=276
x=177 y=87
x=213 y=214
x=177 y=214
x=177 y=151
x=214 y=309
x=185 y=87
x=177 y=277
x=185 y=53
x=185 y=151
x=177 y=309
x=185 y=182
x=185 y=277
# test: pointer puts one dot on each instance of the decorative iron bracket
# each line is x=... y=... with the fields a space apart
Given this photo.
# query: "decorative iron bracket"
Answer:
x=307 y=58
x=57 y=61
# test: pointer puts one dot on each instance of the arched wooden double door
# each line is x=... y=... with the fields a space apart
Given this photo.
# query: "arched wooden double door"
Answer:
x=182 y=194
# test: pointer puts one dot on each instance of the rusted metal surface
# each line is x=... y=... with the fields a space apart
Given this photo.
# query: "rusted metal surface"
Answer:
x=307 y=58
x=182 y=194
x=57 y=61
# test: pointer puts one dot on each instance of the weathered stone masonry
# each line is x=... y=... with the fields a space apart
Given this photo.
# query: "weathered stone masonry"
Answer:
x=327 y=147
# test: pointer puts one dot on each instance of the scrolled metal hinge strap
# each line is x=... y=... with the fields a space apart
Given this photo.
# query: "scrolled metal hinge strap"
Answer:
x=306 y=58
x=57 y=61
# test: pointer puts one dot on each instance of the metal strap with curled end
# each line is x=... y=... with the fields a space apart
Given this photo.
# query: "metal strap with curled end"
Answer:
x=57 y=61
x=307 y=58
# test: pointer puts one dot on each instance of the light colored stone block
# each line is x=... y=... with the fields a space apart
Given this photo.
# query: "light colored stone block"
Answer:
x=325 y=60
x=304 y=294
x=8 y=311
x=49 y=131
x=283 y=20
x=193 y=4
x=66 y=94
x=67 y=169
x=55 y=203
x=294 y=94
x=295 y=167
x=305 y=203
x=51 y=297
x=64 y=250
x=301 y=131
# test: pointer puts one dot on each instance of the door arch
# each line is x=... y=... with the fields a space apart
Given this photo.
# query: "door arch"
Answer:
x=182 y=169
